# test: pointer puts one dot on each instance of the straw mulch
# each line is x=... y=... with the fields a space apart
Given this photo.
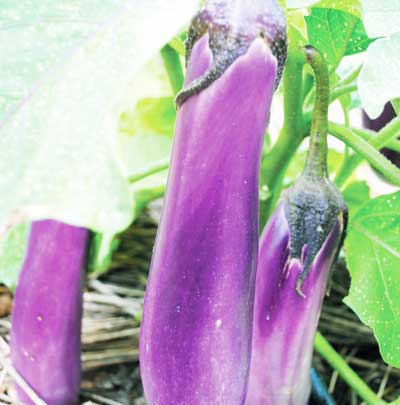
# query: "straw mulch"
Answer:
x=112 y=308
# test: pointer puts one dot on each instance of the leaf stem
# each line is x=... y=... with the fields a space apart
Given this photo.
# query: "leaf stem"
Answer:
x=373 y=140
x=350 y=77
x=323 y=347
x=341 y=91
x=154 y=168
x=173 y=66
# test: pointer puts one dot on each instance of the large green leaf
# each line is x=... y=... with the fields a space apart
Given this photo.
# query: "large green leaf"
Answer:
x=59 y=152
x=36 y=35
x=379 y=79
x=373 y=258
x=356 y=194
x=336 y=33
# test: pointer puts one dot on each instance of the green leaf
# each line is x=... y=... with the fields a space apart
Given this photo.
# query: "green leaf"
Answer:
x=36 y=36
x=64 y=137
x=379 y=79
x=381 y=18
x=12 y=253
x=154 y=115
x=350 y=6
x=359 y=40
x=356 y=194
x=373 y=258
x=335 y=33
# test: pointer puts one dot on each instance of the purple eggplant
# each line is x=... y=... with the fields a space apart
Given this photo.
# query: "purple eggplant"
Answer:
x=297 y=250
x=195 y=341
x=46 y=319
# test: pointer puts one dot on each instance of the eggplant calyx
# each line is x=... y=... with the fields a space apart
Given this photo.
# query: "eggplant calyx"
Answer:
x=231 y=36
x=313 y=205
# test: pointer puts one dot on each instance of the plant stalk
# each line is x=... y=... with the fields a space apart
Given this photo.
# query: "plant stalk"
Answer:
x=316 y=163
x=323 y=347
x=173 y=66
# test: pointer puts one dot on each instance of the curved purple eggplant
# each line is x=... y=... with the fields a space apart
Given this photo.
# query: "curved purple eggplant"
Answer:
x=285 y=322
x=298 y=248
x=46 y=319
x=195 y=337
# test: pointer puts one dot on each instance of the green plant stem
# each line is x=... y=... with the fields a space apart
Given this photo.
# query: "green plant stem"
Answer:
x=323 y=347
x=350 y=77
x=291 y=134
x=341 y=91
x=394 y=145
x=316 y=163
x=368 y=135
x=373 y=141
x=156 y=167
x=173 y=66
x=343 y=87
x=367 y=151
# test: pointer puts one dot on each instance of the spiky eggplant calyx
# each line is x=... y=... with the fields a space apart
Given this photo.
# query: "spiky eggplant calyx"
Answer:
x=312 y=207
x=232 y=26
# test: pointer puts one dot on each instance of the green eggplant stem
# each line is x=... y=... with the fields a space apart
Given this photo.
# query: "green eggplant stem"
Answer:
x=316 y=164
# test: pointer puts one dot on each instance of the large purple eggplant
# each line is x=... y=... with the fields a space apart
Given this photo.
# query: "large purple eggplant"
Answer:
x=46 y=318
x=195 y=338
x=297 y=250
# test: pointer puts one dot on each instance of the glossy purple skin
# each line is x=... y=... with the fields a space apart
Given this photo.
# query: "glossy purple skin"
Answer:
x=195 y=338
x=285 y=323
x=46 y=318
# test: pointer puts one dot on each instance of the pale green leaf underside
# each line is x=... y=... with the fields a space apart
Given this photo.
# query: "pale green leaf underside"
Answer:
x=373 y=259
x=381 y=18
x=37 y=35
x=64 y=137
x=379 y=79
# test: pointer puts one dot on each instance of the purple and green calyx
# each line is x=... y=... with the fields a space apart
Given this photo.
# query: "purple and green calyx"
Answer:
x=195 y=341
x=46 y=319
x=297 y=250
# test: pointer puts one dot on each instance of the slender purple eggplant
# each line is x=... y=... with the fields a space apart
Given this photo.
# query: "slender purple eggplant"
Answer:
x=297 y=250
x=46 y=318
x=195 y=341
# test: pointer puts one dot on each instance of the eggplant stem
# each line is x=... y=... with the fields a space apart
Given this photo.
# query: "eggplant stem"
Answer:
x=316 y=164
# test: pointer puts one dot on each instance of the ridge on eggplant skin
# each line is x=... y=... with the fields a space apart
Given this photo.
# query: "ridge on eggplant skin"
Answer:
x=312 y=207
x=232 y=26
